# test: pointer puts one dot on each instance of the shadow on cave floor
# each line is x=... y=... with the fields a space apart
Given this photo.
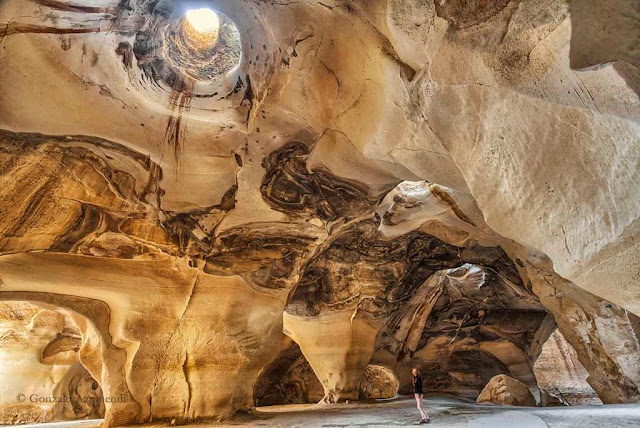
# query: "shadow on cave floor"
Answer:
x=445 y=411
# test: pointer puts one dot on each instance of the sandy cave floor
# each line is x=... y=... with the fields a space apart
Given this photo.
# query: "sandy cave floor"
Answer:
x=444 y=412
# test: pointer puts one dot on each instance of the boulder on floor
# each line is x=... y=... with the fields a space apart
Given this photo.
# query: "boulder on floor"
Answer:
x=378 y=383
x=503 y=389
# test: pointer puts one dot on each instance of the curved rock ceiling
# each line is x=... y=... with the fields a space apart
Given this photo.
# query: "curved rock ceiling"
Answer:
x=389 y=183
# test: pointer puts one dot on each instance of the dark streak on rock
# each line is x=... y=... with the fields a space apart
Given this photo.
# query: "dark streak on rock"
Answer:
x=179 y=103
x=125 y=50
x=462 y=14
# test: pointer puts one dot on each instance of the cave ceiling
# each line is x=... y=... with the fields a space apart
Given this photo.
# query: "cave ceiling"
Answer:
x=426 y=177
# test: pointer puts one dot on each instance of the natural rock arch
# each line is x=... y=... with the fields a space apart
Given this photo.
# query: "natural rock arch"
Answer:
x=97 y=355
x=561 y=374
x=480 y=155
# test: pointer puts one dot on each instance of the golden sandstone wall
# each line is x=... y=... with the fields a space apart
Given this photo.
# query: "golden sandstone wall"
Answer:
x=386 y=182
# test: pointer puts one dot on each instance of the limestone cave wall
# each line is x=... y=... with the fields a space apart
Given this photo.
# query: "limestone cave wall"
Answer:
x=389 y=184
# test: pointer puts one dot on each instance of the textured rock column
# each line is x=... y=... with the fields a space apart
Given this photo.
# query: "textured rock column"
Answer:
x=599 y=331
x=338 y=347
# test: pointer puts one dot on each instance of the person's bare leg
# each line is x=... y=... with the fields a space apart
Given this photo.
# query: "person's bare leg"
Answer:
x=425 y=417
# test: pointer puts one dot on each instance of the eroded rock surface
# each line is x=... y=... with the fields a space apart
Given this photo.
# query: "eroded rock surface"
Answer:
x=401 y=184
x=42 y=378
x=289 y=379
x=601 y=333
x=387 y=291
x=503 y=389
x=559 y=371
x=378 y=383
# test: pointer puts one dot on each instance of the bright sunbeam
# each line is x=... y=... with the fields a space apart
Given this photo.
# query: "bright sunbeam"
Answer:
x=203 y=20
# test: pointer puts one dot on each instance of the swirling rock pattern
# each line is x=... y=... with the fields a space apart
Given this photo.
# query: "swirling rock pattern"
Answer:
x=400 y=184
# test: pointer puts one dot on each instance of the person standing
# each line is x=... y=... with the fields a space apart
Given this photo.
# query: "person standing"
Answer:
x=417 y=391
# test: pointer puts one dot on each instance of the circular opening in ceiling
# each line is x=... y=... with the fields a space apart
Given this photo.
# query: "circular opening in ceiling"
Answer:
x=203 y=20
x=203 y=44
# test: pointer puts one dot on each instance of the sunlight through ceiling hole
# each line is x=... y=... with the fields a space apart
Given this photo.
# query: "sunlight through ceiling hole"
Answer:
x=203 y=20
